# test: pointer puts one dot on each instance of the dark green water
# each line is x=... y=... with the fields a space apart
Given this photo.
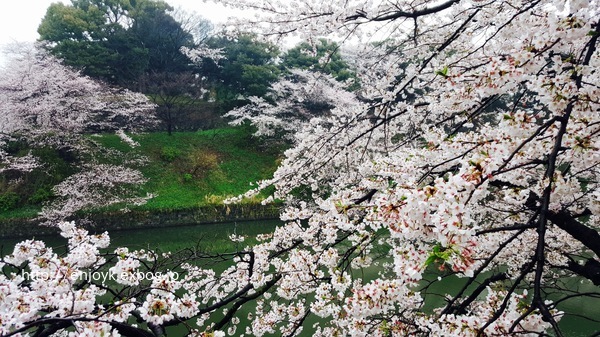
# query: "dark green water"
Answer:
x=214 y=237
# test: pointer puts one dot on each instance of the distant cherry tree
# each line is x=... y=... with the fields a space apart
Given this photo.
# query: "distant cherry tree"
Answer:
x=45 y=104
x=294 y=100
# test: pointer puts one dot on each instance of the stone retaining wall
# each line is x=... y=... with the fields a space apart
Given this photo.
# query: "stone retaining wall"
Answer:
x=136 y=219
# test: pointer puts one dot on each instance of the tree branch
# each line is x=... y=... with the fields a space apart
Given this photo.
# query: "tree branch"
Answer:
x=582 y=233
x=415 y=14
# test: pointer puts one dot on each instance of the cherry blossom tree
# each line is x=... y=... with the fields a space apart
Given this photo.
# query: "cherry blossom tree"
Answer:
x=294 y=101
x=40 y=95
x=472 y=155
x=474 y=150
x=44 y=103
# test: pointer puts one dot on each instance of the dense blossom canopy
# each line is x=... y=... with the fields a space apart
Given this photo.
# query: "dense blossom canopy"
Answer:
x=473 y=153
x=40 y=95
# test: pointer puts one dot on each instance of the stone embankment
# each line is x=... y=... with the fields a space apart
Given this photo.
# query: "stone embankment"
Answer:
x=136 y=219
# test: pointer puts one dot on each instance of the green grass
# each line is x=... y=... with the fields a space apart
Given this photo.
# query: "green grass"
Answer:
x=200 y=168
x=26 y=212
x=184 y=170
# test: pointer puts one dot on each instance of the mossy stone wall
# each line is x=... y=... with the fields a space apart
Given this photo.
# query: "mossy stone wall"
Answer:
x=145 y=219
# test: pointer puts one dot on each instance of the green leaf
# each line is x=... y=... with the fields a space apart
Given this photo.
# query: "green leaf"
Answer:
x=443 y=72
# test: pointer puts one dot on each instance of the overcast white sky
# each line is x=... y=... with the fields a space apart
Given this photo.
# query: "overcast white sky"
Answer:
x=19 y=19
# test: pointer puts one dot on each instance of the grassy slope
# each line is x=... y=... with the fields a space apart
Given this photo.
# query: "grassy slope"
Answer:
x=190 y=169
x=187 y=169
x=25 y=212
